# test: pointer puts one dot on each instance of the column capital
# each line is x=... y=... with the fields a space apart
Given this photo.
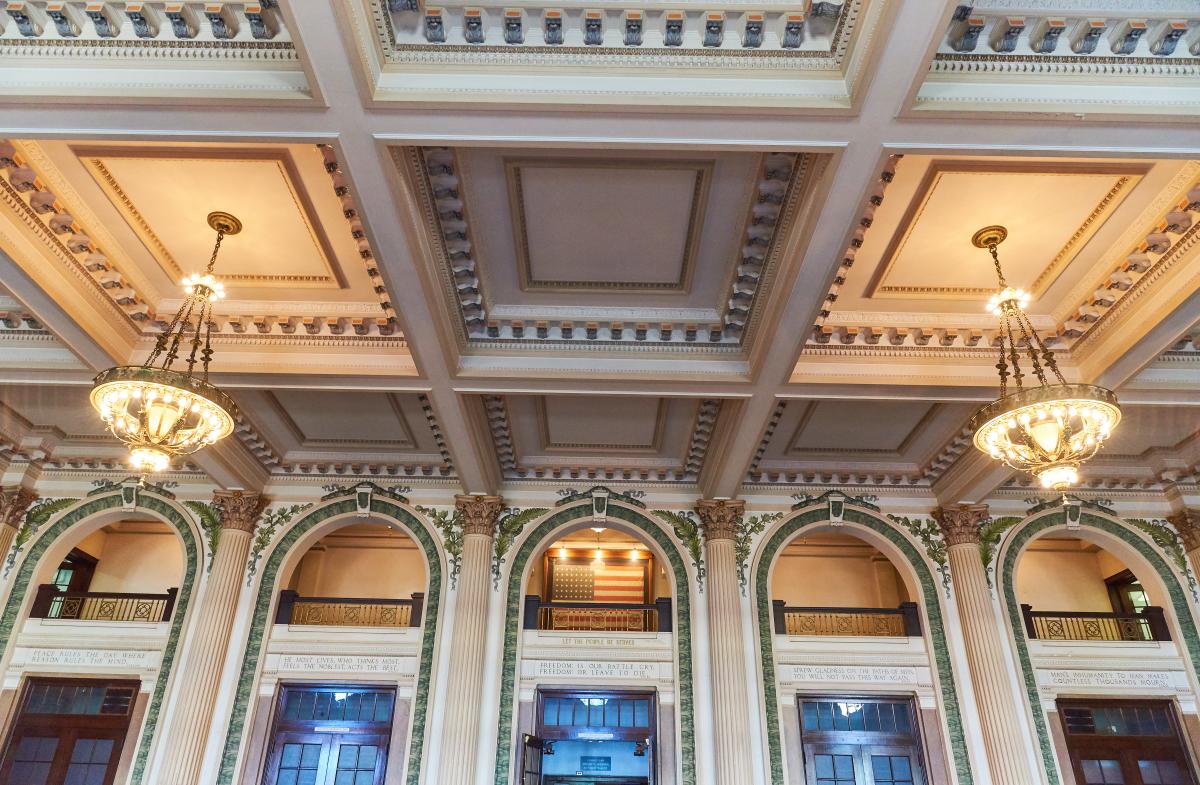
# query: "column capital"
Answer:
x=1187 y=523
x=720 y=517
x=960 y=523
x=479 y=513
x=239 y=509
x=14 y=502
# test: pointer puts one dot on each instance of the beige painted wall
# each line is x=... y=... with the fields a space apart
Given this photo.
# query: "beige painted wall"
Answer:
x=147 y=559
x=837 y=571
x=1066 y=575
x=369 y=560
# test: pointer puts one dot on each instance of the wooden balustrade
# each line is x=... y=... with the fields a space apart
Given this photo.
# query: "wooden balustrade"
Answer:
x=51 y=602
x=349 y=611
x=1150 y=624
x=904 y=621
x=597 y=616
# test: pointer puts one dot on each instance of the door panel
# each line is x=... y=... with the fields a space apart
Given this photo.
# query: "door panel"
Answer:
x=532 y=750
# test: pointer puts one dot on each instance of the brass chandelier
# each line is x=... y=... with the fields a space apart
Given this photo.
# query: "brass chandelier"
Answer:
x=159 y=412
x=1048 y=430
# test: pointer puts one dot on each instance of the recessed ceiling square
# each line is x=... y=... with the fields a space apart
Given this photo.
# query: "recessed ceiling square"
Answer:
x=623 y=423
x=325 y=419
x=859 y=426
x=607 y=224
x=165 y=194
x=1050 y=211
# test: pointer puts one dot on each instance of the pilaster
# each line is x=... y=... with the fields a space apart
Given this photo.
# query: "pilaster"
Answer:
x=719 y=519
x=479 y=515
x=1004 y=737
x=191 y=726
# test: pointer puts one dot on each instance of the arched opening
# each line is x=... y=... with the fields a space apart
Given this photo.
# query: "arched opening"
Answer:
x=362 y=574
x=835 y=583
x=1071 y=588
x=595 y=664
x=98 y=603
x=341 y=714
x=834 y=597
x=1099 y=592
x=125 y=571
x=598 y=579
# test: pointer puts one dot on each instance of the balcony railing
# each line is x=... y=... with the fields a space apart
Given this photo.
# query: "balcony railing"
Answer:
x=51 y=602
x=904 y=621
x=349 y=611
x=1148 y=625
x=597 y=616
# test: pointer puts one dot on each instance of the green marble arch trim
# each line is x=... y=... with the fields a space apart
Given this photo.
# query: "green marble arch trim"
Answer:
x=683 y=631
x=260 y=622
x=933 y=614
x=1029 y=530
x=149 y=502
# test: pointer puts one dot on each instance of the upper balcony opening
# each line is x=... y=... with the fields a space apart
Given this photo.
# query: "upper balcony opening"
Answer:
x=601 y=580
x=128 y=571
x=362 y=575
x=1072 y=589
x=829 y=583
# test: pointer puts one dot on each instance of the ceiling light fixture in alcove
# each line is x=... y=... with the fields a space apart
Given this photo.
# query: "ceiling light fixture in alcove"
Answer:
x=1048 y=430
x=159 y=412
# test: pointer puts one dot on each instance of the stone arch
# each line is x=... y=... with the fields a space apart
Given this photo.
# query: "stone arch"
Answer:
x=876 y=527
x=110 y=503
x=1107 y=526
x=394 y=512
x=635 y=520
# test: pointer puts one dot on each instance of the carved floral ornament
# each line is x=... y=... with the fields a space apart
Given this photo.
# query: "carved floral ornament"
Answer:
x=13 y=504
x=960 y=523
x=479 y=513
x=720 y=518
x=239 y=509
x=1187 y=524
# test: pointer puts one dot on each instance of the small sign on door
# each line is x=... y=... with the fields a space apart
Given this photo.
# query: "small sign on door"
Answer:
x=590 y=764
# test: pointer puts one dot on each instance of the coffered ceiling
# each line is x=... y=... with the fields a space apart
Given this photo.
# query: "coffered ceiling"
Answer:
x=717 y=250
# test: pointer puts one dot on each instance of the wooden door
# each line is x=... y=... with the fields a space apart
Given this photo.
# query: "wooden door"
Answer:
x=327 y=759
x=68 y=732
x=1122 y=742
x=532 y=750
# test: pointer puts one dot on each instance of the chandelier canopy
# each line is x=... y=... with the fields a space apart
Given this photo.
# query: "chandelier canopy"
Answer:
x=161 y=412
x=1048 y=430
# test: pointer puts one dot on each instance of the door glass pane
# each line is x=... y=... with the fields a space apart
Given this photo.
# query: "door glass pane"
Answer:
x=1161 y=772
x=31 y=762
x=298 y=764
x=89 y=762
x=356 y=764
x=892 y=769
x=1102 y=772
x=834 y=769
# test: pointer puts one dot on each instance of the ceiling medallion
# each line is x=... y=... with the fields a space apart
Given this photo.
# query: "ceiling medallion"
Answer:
x=159 y=412
x=1048 y=430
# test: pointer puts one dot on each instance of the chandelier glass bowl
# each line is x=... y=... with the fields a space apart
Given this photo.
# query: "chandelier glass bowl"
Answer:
x=1049 y=430
x=160 y=412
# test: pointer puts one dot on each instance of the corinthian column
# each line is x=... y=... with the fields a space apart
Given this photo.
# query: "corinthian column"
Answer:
x=1187 y=523
x=731 y=727
x=460 y=735
x=200 y=672
x=13 y=504
x=1004 y=739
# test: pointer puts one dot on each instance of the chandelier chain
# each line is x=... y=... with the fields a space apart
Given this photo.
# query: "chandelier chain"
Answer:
x=1013 y=356
x=217 y=249
x=996 y=261
x=205 y=306
x=1026 y=329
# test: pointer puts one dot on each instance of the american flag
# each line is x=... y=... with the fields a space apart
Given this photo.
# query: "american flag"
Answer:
x=600 y=583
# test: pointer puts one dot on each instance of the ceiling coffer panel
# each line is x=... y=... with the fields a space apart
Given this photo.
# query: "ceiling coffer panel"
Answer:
x=648 y=252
